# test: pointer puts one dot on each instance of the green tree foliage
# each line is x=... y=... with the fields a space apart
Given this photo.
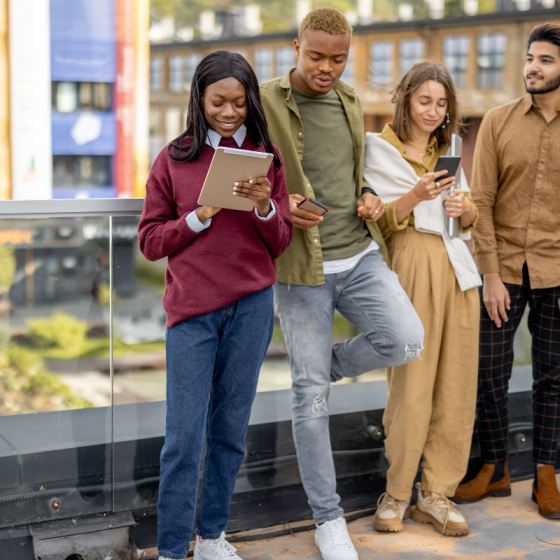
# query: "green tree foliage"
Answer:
x=59 y=331
x=7 y=268
x=276 y=15
x=26 y=386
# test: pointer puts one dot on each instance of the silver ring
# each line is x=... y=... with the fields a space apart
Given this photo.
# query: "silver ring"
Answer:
x=438 y=185
x=377 y=211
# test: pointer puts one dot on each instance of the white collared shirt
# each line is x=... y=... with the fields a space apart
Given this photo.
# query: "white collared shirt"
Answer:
x=213 y=139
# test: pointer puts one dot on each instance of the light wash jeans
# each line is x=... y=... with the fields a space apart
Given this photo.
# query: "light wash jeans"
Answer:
x=371 y=298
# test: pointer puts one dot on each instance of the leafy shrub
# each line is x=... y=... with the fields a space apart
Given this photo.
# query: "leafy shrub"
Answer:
x=26 y=386
x=7 y=268
x=59 y=331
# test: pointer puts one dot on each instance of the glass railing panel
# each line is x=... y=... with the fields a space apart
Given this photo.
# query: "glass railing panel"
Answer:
x=55 y=390
x=522 y=343
x=139 y=368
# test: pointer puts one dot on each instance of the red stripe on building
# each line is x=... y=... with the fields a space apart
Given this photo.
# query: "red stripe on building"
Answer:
x=124 y=97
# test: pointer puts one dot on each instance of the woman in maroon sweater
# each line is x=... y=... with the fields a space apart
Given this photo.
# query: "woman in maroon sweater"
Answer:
x=218 y=300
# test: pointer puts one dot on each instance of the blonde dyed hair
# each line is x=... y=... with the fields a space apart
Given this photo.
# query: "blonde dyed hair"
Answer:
x=409 y=85
x=325 y=19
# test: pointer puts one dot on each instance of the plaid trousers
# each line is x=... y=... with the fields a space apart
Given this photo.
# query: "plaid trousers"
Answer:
x=495 y=363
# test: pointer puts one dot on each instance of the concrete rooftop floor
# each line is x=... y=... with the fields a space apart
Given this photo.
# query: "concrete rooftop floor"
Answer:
x=501 y=528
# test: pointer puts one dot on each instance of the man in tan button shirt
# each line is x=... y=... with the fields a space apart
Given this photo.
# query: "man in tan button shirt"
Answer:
x=516 y=187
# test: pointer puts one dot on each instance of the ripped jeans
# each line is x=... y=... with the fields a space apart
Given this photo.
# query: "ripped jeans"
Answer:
x=371 y=298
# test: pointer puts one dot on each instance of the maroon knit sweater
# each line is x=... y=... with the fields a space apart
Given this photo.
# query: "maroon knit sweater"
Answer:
x=233 y=258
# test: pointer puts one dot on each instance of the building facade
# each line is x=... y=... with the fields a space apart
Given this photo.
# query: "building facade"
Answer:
x=485 y=55
x=76 y=77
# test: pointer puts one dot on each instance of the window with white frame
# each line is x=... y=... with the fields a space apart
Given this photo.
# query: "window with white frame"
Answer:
x=190 y=63
x=411 y=51
x=456 y=51
x=348 y=74
x=263 y=64
x=176 y=80
x=491 y=59
x=285 y=59
x=381 y=58
x=156 y=74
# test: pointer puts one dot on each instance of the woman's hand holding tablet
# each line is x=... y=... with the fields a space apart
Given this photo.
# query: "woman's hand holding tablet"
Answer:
x=206 y=212
x=257 y=191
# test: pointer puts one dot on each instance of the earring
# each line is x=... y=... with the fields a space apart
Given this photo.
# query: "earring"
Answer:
x=446 y=121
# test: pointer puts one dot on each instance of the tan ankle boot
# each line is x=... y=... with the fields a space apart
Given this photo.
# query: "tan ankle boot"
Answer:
x=483 y=485
x=545 y=492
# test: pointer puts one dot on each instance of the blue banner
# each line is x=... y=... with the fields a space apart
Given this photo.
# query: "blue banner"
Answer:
x=84 y=192
x=83 y=40
x=84 y=133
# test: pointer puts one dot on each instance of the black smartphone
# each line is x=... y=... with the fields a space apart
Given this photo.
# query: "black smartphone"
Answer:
x=313 y=206
x=451 y=163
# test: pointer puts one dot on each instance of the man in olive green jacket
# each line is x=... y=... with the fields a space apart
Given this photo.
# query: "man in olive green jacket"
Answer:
x=335 y=261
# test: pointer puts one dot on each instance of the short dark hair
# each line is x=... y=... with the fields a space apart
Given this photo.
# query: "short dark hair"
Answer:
x=217 y=66
x=326 y=19
x=546 y=33
x=420 y=73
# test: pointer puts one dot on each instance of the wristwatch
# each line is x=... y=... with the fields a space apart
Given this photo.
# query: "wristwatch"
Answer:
x=369 y=190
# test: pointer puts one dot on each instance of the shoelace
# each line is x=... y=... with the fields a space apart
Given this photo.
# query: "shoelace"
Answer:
x=224 y=546
x=339 y=533
x=390 y=504
x=443 y=502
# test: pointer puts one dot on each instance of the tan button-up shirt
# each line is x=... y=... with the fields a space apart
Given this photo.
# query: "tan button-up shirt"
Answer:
x=516 y=187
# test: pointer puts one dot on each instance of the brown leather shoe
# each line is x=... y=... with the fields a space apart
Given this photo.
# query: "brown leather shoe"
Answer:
x=492 y=480
x=545 y=492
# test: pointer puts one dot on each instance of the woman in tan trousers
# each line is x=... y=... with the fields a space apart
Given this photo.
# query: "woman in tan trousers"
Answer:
x=431 y=406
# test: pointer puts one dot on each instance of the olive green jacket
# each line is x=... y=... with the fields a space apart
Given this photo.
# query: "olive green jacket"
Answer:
x=302 y=262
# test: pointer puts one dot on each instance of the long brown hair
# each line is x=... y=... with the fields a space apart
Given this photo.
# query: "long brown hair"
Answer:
x=409 y=85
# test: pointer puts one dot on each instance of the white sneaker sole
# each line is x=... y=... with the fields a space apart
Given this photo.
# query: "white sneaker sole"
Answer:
x=334 y=557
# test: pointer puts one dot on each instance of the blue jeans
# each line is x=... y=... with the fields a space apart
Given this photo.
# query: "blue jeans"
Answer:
x=213 y=364
x=371 y=298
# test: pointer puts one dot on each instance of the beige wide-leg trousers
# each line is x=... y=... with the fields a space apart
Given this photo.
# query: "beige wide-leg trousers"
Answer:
x=431 y=406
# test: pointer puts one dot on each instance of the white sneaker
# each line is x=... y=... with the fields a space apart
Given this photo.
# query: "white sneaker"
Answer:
x=219 y=549
x=334 y=542
x=440 y=511
x=390 y=513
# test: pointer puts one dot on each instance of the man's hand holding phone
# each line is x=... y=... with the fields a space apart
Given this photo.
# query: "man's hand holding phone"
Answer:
x=302 y=218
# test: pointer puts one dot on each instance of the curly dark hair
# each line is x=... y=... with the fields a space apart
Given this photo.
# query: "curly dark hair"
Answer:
x=217 y=66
